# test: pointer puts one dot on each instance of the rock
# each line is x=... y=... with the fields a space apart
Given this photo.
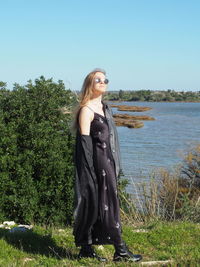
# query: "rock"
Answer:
x=9 y=223
x=19 y=228
x=156 y=263
x=140 y=231
x=133 y=117
x=130 y=108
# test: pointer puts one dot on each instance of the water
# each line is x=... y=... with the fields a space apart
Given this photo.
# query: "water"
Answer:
x=159 y=143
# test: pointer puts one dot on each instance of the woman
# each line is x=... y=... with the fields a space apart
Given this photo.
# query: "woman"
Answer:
x=97 y=161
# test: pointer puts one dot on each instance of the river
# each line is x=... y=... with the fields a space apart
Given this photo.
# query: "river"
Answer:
x=160 y=143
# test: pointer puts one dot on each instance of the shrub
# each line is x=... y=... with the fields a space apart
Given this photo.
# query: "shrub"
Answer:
x=167 y=195
x=190 y=171
x=36 y=153
x=175 y=195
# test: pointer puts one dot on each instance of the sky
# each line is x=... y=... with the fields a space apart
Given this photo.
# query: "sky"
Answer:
x=141 y=44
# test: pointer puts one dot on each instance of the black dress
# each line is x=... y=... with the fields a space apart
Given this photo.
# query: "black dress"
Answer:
x=106 y=229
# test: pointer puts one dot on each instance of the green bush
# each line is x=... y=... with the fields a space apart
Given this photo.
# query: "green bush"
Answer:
x=36 y=153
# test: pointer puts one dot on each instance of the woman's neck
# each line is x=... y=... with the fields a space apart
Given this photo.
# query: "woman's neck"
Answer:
x=96 y=100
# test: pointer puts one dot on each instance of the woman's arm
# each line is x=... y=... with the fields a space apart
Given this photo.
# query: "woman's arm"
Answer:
x=85 y=117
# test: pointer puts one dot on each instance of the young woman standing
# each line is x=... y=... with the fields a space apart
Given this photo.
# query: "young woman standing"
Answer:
x=97 y=161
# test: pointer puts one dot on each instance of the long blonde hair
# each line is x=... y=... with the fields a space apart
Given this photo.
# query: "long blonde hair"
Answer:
x=86 y=94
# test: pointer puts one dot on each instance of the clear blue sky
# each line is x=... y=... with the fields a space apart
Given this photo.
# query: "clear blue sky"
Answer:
x=143 y=44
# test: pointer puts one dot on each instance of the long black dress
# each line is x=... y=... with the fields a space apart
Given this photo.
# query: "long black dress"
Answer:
x=106 y=227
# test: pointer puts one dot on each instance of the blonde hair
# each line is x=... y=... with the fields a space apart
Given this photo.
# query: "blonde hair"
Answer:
x=86 y=94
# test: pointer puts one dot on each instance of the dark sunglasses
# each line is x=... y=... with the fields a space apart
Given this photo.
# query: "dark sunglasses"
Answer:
x=98 y=80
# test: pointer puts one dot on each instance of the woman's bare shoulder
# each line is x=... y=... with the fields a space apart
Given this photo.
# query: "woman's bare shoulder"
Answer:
x=86 y=111
x=85 y=117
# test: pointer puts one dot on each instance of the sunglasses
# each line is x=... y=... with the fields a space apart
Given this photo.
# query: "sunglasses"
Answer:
x=98 y=80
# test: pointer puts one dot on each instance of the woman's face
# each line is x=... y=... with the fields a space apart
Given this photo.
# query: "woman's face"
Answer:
x=100 y=84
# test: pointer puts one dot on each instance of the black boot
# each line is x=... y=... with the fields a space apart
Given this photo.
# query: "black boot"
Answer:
x=88 y=252
x=122 y=253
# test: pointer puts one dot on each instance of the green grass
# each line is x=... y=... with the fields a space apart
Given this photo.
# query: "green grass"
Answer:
x=177 y=241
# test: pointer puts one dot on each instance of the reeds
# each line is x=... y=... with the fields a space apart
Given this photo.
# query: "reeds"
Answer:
x=167 y=195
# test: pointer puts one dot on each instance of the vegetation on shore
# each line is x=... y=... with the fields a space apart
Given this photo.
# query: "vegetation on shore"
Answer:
x=127 y=116
x=177 y=242
x=168 y=196
x=164 y=227
x=130 y=108
x=154 y=96
x=130 y=123
x=36 y=186
x=128 y=120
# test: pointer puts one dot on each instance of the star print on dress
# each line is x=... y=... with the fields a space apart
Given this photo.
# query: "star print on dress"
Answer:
x=106 y=207
x=100 y=119
x=117 y=225
x=103 y=172
x=104 y=145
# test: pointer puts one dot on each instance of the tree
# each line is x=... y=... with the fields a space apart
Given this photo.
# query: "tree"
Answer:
x=121 y=94
x=2 y=85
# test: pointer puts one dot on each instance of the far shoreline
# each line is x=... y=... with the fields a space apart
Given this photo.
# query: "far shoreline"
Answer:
x=117 y=101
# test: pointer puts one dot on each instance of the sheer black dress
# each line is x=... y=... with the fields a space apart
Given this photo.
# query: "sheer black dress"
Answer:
x=106 y=229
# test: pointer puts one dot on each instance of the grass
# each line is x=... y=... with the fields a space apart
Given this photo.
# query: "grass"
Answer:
x=177 y=241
